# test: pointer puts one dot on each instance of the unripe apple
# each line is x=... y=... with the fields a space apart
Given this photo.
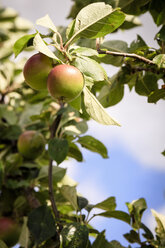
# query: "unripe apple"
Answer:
x=36 y=71
x=31 y=144
x=65 y=82
x=9 y=231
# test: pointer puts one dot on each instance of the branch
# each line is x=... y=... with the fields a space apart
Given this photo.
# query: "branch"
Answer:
x=50 y=172
x=130 y=55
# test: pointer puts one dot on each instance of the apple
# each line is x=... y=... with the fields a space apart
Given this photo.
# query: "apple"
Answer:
x=31 y=144
x=36 y=71
x=65 y=82
x=9 y=231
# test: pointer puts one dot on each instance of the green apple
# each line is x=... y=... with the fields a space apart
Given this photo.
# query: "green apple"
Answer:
x=36 y=71
x=31 y=144
x=65 y=82
x=9 y=231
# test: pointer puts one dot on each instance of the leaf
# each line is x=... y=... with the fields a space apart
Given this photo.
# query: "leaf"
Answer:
x=115 y=45
x=70 y=194
x=160 y=219
x=24 y=236
x=41 y=224
x=58 y=173
x=145 y=85
x=2 y=244
x=22 y=43
x=40 y=46
x=111 y=94
x=93 y=145
x=85 y=51
x=163 y=153
x=132 y=237
x=96 y=110
x=120 y=215
x=137 y=44
x=90 y=68
x=46 y=22
x=82 y=202
x=100 y=241
x=116 y=244
x=58 y=149
x=156 y=95
x=136 y=209
x=159 y=60
x=74 y=152
x=96 y=20
x=109 y=204
x=74 y=235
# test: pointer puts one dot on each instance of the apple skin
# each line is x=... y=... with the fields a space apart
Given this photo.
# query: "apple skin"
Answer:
x=65 y=82
x=31 y=144
x=36 y=71
x=9 y=231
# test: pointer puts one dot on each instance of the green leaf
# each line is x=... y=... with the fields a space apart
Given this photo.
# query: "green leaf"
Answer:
x=40 y=46
x=96 y=110
x=76 y=103
x=82 y=202
x=109 y=204
x=41 y=224
x=111 y=94
x=96 y=20
x=46 y=22
x=90 y=68
x=161 y=34
x=159 y=60
x=145 y=85
x=74 y=235
x=22 y=43
x=160 y=220
x=100 y=241
x=70 y=194
x=136 y=209
x=93 y=145
x=74 y=152
x=163 y=153
x=115 y=45
x=85 y=51
x=9 y=115
x=2 y=244
x=58 y=173
x=156 y=95
x=132 y=237
x=116 y=244
x=25 y=235
x=137 y=44
x=120 y=215
x=58 y=149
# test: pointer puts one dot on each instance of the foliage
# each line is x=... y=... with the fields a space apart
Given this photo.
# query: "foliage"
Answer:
x=38 y=193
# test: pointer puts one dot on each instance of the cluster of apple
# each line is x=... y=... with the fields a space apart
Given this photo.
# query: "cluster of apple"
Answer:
x=63 y=81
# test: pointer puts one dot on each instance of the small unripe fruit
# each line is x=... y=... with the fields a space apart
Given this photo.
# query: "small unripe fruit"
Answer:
x=31 y=144
x=65 y=82
x=36 y=71
x=9 y=231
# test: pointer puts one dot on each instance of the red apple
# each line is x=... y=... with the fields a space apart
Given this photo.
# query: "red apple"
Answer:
x=9 y=231
x=65 y=82
x=31 y=144
x=36 y=71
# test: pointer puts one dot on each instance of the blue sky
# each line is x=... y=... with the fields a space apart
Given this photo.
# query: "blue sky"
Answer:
x=135 y=167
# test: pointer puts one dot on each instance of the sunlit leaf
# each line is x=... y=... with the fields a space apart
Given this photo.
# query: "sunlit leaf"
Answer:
x=96 y=110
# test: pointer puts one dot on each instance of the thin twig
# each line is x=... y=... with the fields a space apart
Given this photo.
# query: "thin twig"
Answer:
x=130 y=55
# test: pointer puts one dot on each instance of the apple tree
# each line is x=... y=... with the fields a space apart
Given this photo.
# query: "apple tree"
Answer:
x=46 y=101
